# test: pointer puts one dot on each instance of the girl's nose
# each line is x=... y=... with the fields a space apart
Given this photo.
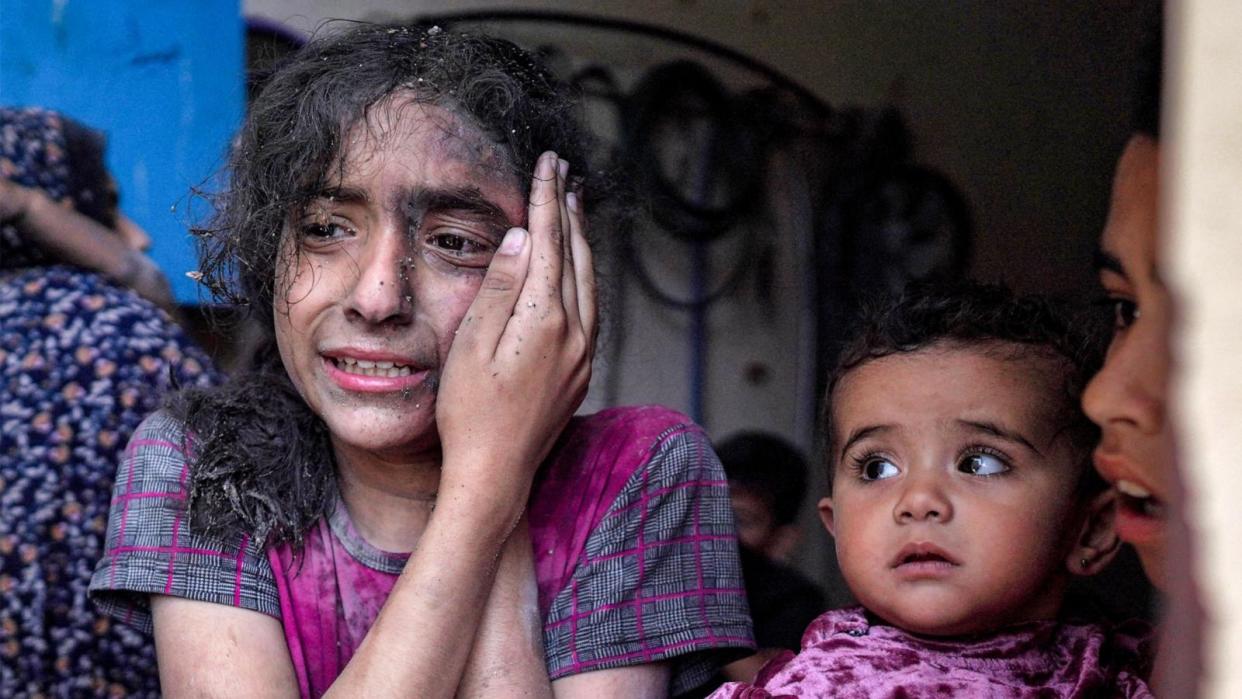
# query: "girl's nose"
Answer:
x=383 y=290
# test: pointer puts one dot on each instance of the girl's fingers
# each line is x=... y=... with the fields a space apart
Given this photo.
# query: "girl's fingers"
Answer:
x=489 y=315
x=584 y=269
x=569 y=285
x=546 y=236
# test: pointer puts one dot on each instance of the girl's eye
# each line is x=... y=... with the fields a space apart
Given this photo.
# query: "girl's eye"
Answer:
x=878 y=470
x=324 y=231
x=982 y=465
x=460 y=249
x=455 y=243
x=1124 y=312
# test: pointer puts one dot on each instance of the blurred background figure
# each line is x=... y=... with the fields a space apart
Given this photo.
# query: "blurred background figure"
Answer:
x=767 y=481
x=768 y=484
x=86 y=352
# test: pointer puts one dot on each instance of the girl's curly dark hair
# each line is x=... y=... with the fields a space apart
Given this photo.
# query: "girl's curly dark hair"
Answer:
x=264 y=461
x=989 y=317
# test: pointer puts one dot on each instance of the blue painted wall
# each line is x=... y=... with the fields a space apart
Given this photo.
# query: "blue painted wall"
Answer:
x=163 y=80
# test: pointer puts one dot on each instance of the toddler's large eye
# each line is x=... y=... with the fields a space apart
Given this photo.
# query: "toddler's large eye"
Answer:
x=982 y=465
x=877 y=469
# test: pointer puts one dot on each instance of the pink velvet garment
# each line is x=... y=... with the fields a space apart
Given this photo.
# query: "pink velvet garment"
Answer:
x=844 y=655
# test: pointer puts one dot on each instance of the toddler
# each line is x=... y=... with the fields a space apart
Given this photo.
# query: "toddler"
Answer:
x=962 y=501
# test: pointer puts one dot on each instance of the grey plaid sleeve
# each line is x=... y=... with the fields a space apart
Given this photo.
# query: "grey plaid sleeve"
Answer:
x=151 y=549
x=659 y=579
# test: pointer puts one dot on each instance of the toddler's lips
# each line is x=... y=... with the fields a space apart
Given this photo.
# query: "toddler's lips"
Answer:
x=923 y=555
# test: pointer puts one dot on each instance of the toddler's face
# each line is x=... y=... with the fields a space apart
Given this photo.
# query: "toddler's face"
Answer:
x=953 y=505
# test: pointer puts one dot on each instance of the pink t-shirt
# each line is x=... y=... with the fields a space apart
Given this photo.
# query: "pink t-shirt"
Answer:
x=635 y=555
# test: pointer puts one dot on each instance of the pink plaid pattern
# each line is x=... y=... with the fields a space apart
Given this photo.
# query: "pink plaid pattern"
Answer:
x=636 y=555
x=150 y=548
x=657 y=578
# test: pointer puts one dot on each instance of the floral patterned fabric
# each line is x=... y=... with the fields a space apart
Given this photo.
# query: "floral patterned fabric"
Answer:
x=32 y=154
x=82 y=362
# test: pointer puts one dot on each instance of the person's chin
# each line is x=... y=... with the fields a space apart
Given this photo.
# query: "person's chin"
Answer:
x=385 y=427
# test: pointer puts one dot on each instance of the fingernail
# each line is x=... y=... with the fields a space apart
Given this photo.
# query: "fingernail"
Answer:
x=562 y=167
x=515 y=238
x=571 y=200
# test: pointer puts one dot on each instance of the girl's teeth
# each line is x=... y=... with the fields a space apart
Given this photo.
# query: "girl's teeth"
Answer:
x=1132 y=489
x=368 y=368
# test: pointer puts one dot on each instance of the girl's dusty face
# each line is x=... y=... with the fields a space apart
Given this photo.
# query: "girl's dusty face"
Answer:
x=377 y=273
x=1128 y=398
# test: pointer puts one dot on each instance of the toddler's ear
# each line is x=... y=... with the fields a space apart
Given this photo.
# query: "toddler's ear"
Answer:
x=1097 y=543
x=826 y=516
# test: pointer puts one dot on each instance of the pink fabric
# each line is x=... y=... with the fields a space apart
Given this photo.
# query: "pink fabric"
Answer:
x=574 y=491
x=844 y=656
x=323 y=637
x=332 y=592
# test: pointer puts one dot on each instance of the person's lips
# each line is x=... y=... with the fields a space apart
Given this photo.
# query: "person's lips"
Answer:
x=369 y=371
x=1140 y=511
x=922 y=559
x=365 y=367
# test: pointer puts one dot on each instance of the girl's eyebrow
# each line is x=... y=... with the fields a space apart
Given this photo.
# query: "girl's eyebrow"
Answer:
x=862 y=433
x=467 y=200
x=347 y=195
x=996 y=430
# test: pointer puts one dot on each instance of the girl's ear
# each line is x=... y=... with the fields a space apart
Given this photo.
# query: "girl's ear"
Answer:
x=1096 y=544
x=826 y=516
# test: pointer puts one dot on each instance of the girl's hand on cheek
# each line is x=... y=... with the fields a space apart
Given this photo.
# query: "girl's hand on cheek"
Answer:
x=521 y=362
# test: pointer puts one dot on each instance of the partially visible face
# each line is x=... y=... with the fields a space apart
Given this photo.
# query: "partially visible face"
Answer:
x=376 y=275
x=131 y=233
x=954 y=491
x=753 y=517
x=1127 y=399
x=134 y=236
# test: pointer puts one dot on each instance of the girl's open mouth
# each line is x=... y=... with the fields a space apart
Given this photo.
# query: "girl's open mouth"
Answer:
x=363 y=367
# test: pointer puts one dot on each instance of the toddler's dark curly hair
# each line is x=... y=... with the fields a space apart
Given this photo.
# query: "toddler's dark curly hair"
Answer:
x=989 y=318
